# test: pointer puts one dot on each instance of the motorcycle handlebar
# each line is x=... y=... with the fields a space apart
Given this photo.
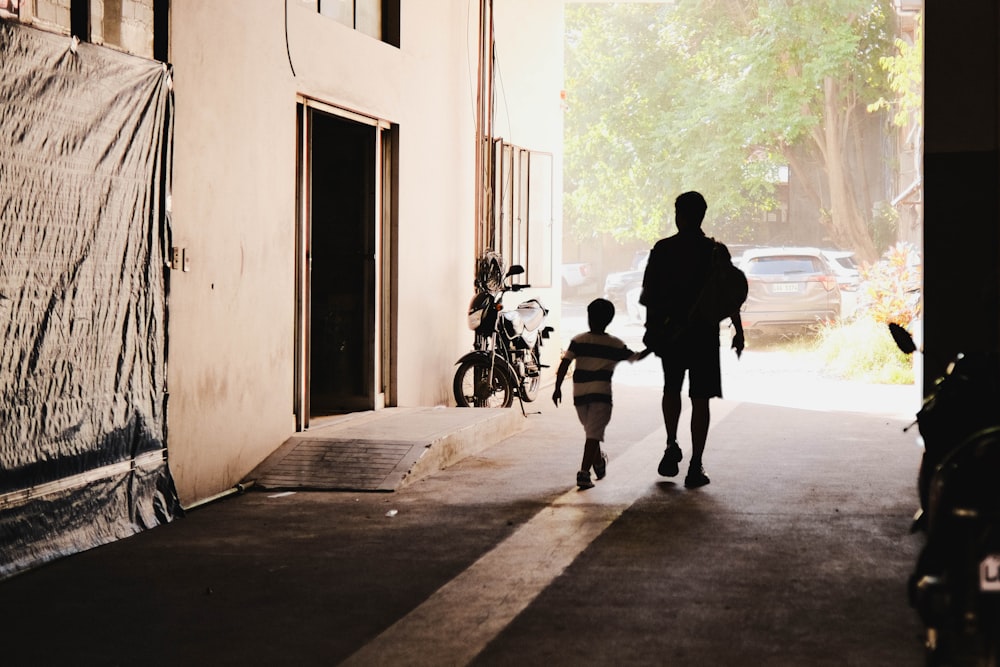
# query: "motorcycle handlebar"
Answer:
x=519 y=287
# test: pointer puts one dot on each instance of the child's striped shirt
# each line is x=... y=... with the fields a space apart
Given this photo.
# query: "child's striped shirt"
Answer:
x=596 y=356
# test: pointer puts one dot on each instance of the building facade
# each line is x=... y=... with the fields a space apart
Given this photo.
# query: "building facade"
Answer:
x=320 y=211
x=314 y=238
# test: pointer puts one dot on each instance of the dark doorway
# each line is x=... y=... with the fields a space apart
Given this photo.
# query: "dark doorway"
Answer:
x=341 y=252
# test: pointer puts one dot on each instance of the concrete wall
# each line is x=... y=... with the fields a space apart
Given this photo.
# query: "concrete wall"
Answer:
x=234 y=197
x=962 y=181
x=529 y=57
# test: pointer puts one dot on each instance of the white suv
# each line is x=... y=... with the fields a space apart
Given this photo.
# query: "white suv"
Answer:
x=843 y=264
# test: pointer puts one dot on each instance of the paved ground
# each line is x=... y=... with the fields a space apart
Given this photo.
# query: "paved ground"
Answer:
x=796 y=554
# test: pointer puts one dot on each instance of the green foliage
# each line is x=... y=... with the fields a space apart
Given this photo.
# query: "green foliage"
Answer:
x=905 y=73
x=863 y=350
x=708 y=96
x=608 y=186
x=884 y=224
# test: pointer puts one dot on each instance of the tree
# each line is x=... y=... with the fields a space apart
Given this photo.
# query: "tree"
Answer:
x=610 y=124
x=905 y=73
x=718 y=96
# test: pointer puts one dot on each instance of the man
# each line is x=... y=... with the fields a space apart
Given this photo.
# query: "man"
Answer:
x=677 y=270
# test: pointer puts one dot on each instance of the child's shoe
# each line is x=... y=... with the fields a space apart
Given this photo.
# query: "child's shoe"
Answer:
x=583 y=480
x=601 y=466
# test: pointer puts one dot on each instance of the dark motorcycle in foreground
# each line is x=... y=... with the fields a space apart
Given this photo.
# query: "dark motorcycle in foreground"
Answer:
x=955 y=586
x=506 y=358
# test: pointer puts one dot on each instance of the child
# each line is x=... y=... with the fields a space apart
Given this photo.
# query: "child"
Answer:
x=596 y=354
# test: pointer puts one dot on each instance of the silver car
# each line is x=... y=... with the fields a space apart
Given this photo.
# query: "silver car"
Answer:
x=789 y=289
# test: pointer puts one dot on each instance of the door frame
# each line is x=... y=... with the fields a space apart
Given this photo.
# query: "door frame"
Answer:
x=382 y=359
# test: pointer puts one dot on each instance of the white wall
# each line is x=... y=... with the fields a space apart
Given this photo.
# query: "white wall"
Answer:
x=529 y=55
x=231 y=326
x=232 y=315
x=436 y=196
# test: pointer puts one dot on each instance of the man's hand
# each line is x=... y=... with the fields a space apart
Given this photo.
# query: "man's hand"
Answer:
x=738 y=343
x=557 y=395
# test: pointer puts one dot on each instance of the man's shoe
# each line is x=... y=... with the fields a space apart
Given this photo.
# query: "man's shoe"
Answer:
x=601 y=466
x=696 y=477
x=672 y=455
x=583 y=480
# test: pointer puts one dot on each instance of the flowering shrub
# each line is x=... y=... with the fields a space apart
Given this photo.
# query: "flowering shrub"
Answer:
x=890 y=288
x=862 y=350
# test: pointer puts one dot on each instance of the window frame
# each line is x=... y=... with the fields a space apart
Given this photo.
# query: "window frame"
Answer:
x=521 y=205
x=382 y=17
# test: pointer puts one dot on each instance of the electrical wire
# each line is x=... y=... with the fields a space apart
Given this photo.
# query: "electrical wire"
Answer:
x=506 y=104
x=288 y=50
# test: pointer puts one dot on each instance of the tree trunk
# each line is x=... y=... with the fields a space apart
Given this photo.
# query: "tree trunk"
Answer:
x=849 y=226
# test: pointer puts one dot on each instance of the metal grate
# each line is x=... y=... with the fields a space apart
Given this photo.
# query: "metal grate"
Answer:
x=340 y=464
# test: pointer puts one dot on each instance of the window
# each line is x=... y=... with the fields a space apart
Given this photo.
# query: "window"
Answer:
x=138 y=27
x=783 y=265
x=9 y=8
x=536 y=251
x=375 y=18
x=521 y=225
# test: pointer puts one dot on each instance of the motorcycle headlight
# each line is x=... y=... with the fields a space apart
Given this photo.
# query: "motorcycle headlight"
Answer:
x=479 y=308
x=476 y=318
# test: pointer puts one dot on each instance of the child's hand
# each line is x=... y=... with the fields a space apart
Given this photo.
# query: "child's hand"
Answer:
x=557 y=396
x=639 y=356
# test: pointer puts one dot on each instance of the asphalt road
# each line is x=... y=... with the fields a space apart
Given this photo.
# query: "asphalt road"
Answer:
x=796 y=554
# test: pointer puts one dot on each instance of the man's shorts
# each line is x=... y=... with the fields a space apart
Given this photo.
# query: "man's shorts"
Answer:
x=701 y=361
x=594 y=417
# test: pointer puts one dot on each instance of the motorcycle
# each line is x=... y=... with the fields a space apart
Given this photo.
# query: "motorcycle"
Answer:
x=506 y=358
x=955 y=586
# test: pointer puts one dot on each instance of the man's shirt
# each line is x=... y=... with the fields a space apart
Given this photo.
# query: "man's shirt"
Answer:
x=676 y=272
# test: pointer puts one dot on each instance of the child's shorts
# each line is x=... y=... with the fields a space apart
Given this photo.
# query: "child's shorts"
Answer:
x=594 y=417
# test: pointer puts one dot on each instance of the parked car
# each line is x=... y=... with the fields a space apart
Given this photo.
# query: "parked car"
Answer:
x=617 y=285
x=577 y=278
x=636 y=311
x=842 y=261
x=790 y=289
x=624 y=288
x=736 y=251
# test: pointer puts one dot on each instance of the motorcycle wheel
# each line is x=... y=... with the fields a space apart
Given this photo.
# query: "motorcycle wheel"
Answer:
x=473 y=389
x=530 y=385
x=529 y=388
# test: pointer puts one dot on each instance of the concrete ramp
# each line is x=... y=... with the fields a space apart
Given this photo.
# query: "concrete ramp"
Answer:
x=383 y=450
